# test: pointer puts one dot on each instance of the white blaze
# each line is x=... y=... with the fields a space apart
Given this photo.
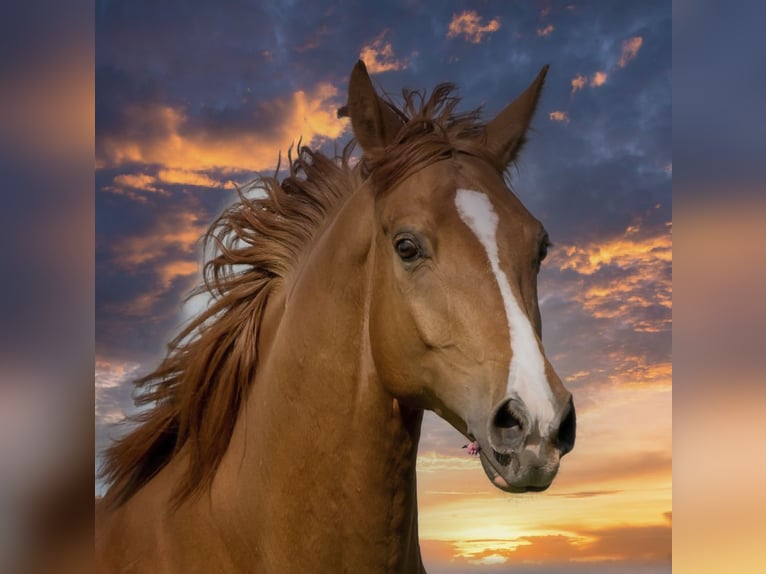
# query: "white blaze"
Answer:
x=526 y=372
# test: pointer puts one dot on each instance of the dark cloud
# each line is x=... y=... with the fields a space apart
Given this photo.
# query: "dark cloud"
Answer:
x=196 y=50
x=138 y=291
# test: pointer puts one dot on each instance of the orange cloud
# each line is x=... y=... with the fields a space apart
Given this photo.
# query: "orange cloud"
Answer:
x=379 y=56
x=630 y=48
x=187 y=177
x=545 y=31
x=180 y=232
x=168 y=252
x=626 y=251
x=618 y=544
x=129 y=184
x=468 y=25
x=637 y=370
x=178 y=147
x=598 y=79
x=578 y=82
x=559 y=116
x=644 y=280
x=172 y=270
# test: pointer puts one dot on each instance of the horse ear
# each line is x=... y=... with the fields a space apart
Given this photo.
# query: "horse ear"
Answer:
x=375 y=124
x=505 y=135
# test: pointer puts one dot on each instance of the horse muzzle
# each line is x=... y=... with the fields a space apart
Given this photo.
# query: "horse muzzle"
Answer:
x=521 y=456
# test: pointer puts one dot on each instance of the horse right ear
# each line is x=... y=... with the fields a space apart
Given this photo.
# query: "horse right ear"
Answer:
x=375 y=124
x=506 y=134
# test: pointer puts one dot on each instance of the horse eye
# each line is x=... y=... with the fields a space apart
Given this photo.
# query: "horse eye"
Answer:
x=407 y=249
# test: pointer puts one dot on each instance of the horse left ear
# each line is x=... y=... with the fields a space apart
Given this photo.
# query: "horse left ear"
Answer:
x=506 y=134
x=375 y=123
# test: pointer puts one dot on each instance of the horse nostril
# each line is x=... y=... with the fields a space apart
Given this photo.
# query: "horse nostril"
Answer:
x=567 y=430
x=506 y=429
x=505 y=419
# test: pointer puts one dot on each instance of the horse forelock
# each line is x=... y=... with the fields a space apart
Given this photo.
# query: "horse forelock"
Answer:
x=432 y=132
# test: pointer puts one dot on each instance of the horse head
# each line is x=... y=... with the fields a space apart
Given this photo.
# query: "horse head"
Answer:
x=454 y=319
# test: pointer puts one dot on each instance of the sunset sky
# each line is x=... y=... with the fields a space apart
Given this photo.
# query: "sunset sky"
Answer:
x=194 y=98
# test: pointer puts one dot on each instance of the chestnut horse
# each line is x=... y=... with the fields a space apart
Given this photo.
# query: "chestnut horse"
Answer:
x=283 y=425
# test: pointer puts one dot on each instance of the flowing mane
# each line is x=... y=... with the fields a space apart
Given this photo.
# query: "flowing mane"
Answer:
x=197 y=391
x=280 y=432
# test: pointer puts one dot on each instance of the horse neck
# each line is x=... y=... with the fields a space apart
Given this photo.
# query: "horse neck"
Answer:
x=322 y=461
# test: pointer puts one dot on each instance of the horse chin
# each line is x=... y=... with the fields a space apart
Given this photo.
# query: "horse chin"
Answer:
x=497 y=479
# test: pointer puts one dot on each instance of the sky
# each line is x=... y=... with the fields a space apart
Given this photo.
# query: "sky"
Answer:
x=194 y=97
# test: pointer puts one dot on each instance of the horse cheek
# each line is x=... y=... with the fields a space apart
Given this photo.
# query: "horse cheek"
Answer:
x=407 y=324
x=430 y=311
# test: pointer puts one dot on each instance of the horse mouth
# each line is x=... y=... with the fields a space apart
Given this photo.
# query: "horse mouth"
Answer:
x=509 y=462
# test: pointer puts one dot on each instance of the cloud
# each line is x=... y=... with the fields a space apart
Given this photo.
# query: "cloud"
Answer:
x=576 y=546
x=160 y=256
x=179 y=231
x=626 y=278
x=172 y=270
x=130 y=184
x=188 y=177
x=627 y=251
x=578 y=82
x=637 y=369
x=545 y=31
x=435 y=462
x=617 y=455
x=559 y=116
x=630 y=48
x=167 y=135
x=598 y=79
x=586 y=493
x=111 y=378
x=468 y=25
x=379 y=56
x=142 y=181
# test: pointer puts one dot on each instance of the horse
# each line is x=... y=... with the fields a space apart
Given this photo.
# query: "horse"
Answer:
x=282 y=427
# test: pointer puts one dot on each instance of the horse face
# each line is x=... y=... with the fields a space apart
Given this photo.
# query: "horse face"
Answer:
x=454 y=319
x=455 y=324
